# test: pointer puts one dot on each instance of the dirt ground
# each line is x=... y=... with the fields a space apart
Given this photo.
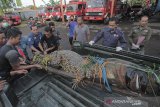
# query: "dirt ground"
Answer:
x=153 y=47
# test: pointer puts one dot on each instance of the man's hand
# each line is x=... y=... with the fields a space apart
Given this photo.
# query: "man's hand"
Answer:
x=134 y=46
x=38 y=66
x=91 y=42
x=118 y=49
x=2 y=83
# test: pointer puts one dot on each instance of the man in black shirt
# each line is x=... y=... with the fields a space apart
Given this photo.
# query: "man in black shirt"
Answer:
x=51 y=40
x=9 y=57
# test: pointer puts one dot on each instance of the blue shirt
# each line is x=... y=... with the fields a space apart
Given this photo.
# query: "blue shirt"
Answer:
x=111 y=37
x=72 y=25
x=33 y=40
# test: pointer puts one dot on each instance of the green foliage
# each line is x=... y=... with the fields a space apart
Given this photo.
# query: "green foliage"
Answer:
x=53 y=3
x=19 y=3
x=5 y=4
x=142 y=2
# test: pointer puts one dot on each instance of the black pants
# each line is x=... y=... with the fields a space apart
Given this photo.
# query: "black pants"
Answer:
x=71 y=40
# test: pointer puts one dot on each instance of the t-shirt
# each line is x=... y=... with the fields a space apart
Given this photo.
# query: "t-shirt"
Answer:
x=8 y=58
x=52 y=41
x=82 y=33
x=56 y=32
x=72 y=26
x=33 y=40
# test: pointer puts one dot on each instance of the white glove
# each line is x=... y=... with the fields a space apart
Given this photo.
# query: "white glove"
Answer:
x=118 y=49
x=135 y=46
x=91 y=42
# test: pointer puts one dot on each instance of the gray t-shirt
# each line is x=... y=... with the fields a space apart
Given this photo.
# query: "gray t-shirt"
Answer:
x=82 y=33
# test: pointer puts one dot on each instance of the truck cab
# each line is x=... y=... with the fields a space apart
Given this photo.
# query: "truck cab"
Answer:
x=100 y=10
x=56 y=12
x=46 y=13
x=75 y=8
x=96 y=9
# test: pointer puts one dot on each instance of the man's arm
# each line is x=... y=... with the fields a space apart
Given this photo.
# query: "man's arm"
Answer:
x=30 y=43
x=40 y=47
x=98 y=36
x=41 y=42
x=13 y=58
x=122 y=40
x=49 y=49
x=28 y=67
x=2 y=83
x=16 y=72
x=34 y=49
x=148 y=36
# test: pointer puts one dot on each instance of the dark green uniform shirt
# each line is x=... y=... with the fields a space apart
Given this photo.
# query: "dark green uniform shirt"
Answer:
x=138 y=31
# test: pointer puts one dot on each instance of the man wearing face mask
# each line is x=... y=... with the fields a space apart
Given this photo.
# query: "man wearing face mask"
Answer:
x=111 y=35
x=140 y=35
x=71 y=24
x=81 y=31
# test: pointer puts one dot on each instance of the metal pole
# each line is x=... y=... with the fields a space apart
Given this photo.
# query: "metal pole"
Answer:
x=62 y=11
x=112 y=8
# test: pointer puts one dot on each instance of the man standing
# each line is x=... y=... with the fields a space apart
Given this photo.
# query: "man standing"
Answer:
x=51 y=41
x=71 y=24
x=81 y=32
x=111 y=35
x=34 y=39
x=2 y=38
x=140 y=35
x=10 y=63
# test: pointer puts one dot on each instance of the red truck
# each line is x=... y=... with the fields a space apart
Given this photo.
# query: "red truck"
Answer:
x=46 y=13
x=75 y=8
x=56 y=12
x=15 y=17
x=100 y=10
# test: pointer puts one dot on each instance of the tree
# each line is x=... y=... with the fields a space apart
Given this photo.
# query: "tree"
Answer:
x=19 y=2
x=142 y=2
x=53 y=3
x=5 y=4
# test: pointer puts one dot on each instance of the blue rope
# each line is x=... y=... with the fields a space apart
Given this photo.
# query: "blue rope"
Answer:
x=104 y=77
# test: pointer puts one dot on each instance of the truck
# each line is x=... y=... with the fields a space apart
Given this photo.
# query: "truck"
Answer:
x=56 y=12
x=75 y=8
x=14 y=16
x=101 y=10
x=41 y=89
x=46 y=13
